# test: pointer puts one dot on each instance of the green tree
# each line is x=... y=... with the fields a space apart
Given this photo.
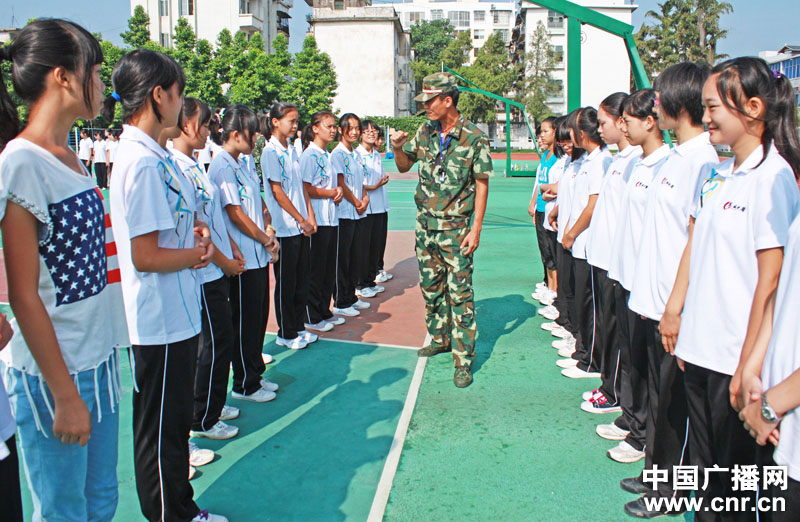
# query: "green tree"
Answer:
x=534 y=82
x=255 y=79
x=313 y=84
x=196 y=59
x=429 y=39
x=138 y=33
x=492 y=71
x=457 y=52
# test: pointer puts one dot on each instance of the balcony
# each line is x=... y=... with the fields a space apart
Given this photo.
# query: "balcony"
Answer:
x=250 y=22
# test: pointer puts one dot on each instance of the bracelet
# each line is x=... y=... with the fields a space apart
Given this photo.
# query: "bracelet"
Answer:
x=270 y=228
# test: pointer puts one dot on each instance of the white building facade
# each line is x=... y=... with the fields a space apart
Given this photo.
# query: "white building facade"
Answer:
x=605 y=65
x=209 y=17
x=787 y=62
x=480 y=19
x=370 y=53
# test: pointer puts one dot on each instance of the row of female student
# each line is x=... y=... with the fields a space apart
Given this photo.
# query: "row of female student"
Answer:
x=663 y=265
x=188 y=255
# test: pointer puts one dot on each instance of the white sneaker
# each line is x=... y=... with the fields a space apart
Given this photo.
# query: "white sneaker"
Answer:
x=192 y=472
x=548 y=296
x=366 y=292
x=611 y=431
x=268 y=385
x=378 y=289
x=260 y=395
x=545 y=309
x=561 y=333
x=566 y=363
x=577 y=373
x=205 y=516
x=600 y=406
x=384 y=275
x=347 y=312
x=566 y=352
x=550 y=326
x=589 y=395
x=229 y=413
x=267 y=358
x=625 y=453
x=298 y=343
x=540 y=285
x=335 y=321
x=199 y=456
x=549 y=312
x=560 y=344
x=539 y=293
x=220 y=431
x=322 y=326
x=361 y=305
x=307 y=336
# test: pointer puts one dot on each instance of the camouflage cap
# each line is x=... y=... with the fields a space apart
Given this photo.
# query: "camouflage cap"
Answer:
x=435 y=84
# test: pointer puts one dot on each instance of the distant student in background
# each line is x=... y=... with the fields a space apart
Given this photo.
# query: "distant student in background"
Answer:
x=100 y=160
x=112 y=141
x=85 y=150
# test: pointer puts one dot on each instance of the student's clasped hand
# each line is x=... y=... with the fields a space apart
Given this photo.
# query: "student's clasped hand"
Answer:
x=202 y=239
x=754 y=422
x=338 y=195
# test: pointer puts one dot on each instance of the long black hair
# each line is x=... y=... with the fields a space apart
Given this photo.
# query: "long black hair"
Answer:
x=743 y=78
x=308 y=131
x=557 y=150
x=193 y=107
x=613 y=103
x=680 y=88
x=641 y=104
x=237 y=118
x=278 y=111
x=563 y=132
x=135 y=77
x=40 y=47
x=586 y=122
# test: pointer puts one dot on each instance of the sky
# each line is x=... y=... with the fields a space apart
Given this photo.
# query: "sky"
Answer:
x=752 y=27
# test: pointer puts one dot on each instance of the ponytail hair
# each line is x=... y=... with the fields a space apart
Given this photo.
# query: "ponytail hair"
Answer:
x=641 y=104
x=278 y=111
x=747 y=77
x=135 y=77
x=308 y=131
x=587 y=123
x=613 y=104
x=235 y=118
x=193 y=107
x=40 y=47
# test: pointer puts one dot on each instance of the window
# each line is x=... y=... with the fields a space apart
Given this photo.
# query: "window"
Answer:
x=554 y=20
x=479 y=16
x=244 y=7
x=555 y=89
x=185 y=7
x=505 y=34
x=558 y=54
x=338 y=4
x=437 y=14
x=415 y=16
x=164 y=40
x=163 y=8
x=458 y=18
x=501 y=17
x=478 y=34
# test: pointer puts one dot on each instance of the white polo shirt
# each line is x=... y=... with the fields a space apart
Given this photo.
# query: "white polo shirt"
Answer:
x=111 y=146
x=587 y=183
x=279 y=165
x=349 y=163
x=100 y=151
x=204 y=154
x=609 y=202
x=738 y=212
x=85 y=149
x=238 y=186
x=783 y=355
x=629 y=230
x=666 y=225
x=316 y=169
x=553 y=177
x=149 y=194
x=373 y=169
x=209 y=211
x=564 y=199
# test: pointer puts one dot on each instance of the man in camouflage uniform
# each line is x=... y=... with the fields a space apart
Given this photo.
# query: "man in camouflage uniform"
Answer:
x=454 y=167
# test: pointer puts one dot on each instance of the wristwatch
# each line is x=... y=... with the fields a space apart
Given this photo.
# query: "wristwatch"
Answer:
x=767 y=412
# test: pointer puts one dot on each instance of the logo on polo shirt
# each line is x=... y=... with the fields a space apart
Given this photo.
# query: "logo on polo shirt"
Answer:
x=666 y=182
x=730 y=205
x=640 y=184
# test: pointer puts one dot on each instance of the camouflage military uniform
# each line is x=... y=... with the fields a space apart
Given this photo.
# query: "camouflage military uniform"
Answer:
x=445 y=201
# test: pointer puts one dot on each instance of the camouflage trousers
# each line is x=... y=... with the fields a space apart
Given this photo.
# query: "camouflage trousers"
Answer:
x=445 y=276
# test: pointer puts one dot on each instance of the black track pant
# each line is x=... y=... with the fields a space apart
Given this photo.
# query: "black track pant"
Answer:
x=249 y=311
x=359 y=255
x=634 y=378
x=606 y=338
x=667 y=411
x=214 y=358
x=162 y=416
x=565 y=300
x=10 y=499
x=322 y=274
x=291 y=285
x=377 y=245
x=383 y=238
x=345 y=294
x=101 y=171
x=585 y=347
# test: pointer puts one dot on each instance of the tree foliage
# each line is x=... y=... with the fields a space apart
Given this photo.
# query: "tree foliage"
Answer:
x=534 y=83
x=138 y=33
x=429 y=39
x=492 y=71
x=313 y=84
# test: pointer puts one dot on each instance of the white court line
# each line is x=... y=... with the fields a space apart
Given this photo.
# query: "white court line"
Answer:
x=401 y=346
x=378 y=508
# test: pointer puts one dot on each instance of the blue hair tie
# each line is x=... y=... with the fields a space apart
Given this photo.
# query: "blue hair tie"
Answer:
x=116 y=96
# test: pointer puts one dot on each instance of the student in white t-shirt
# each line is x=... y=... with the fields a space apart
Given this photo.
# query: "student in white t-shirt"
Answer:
x=742 y=214
x=248 y=223
x=297 y=142
x=589 y=179
x=62 y=367
x=112 y=140
x=161 y=247
x=376 y=217
x=347 y=165
x=100 y=158
x=85 y=147
x=324 y=190
x=607 y=398
x=204 y=153
x=641 y=128
x=294 y=221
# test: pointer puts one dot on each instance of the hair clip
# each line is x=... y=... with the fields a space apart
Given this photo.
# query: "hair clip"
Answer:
x=656 y=102
x=116 y=96
x=776 y=74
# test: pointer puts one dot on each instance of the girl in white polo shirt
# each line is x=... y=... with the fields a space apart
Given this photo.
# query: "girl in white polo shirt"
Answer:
x=61 y=368
x=742 y=215
x=584 y=198
x=160 y=247
x=599 y=253
x=376 y=217
x=324 y=190
x=247 y=221
x=641 y=128
x=294 y=222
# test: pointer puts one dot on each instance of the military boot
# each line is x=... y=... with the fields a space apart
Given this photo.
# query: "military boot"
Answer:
x=430 y=351
x=462 y=377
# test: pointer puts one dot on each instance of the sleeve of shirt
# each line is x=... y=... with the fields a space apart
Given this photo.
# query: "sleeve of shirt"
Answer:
x=596 y=175
x=411 y=147
x=146 y=206
x=306 y=166
x=337 y=162
x=482 y=161
x=270 y=165
x=222 y=175
x=776 y=202
x=18 y=185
